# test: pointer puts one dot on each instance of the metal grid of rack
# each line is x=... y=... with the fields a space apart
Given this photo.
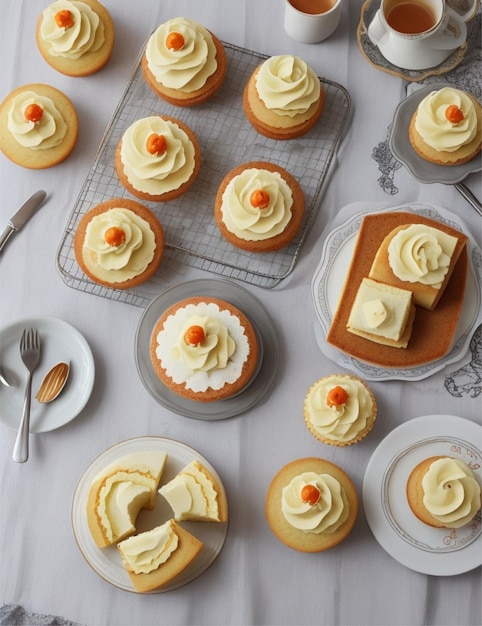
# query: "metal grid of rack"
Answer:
x=227 y=139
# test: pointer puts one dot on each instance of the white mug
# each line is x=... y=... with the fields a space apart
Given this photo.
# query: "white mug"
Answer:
x=442 y=31
x=311 y=21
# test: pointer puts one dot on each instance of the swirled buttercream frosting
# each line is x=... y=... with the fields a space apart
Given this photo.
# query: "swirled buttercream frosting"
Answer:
x=420 y=253
x=72 y=29
x=49 y=129
x=185 y=66
x=324 y=513
x=214 y=362
x=287 y=85
x=437 y=128
x=145 y=552
x=191 y=495
x=254 y=223
x=118 y=245
x=344 y=418
x=157 y=173
x=451 y=493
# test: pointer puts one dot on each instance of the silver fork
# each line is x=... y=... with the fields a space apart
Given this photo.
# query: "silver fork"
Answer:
x=30 y=353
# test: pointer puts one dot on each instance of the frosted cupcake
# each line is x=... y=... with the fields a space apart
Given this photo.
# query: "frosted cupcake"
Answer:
x=311 y=505
x=443 y=492
x=75 y=37
x=184 y=63
x=283 y=98
x=340 y=409
x=158 y=158
x=38 y=126
x=446 y=127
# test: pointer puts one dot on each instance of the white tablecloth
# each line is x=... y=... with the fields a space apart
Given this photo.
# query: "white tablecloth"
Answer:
x=255 y=580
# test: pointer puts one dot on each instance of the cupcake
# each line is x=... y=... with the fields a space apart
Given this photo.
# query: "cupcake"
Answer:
x=158 y=158
x=39 y=126
x=283 y=98
x=311 y=505
x=155 y=557
x=443 y=492
x=184 y=63
x=340 y=409
x=204 y=349
x=119 y=243
x=446 y=127
x=75 y=37
x=259 y=207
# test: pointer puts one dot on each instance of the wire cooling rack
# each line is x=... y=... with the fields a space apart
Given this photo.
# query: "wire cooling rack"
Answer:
x=227 y=139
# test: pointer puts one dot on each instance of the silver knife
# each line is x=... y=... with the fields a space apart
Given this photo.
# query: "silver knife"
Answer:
x=22 y=216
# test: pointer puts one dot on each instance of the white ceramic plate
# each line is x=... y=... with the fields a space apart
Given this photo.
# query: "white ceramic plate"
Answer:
x=258 y=316
x=435 y=551
x=420 y=169
x=59 y=342
x=330 y=274
x=107 y=563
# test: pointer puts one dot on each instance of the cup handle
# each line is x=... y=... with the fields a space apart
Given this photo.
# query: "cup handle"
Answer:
x=376 y=30
x=454 y=33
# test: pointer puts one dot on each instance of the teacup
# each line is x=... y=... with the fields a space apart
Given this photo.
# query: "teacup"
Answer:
x=417 y=34
x=312 y=21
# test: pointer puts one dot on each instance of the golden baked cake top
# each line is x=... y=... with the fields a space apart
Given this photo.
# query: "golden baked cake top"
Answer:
x=433 y=332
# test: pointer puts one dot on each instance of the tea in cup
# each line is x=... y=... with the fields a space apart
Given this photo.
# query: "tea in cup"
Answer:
x=311 y=21
x=417 y=34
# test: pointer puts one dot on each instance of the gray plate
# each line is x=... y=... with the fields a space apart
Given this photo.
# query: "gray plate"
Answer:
x=420 y=169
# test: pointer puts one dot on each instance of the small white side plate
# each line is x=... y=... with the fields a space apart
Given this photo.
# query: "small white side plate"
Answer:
x=434 y=551
x=59 y=342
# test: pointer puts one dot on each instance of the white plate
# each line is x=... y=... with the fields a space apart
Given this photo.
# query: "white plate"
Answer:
x=330 y=274
x=257 y=315
x=59 y=342
x=107 y=562
x=435 y=551
x=420 y=169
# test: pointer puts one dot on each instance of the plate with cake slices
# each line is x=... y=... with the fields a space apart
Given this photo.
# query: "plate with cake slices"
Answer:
x=421 y=169
x=182 y=401
x=435 y=339
x=441 y=551
x=108 y=562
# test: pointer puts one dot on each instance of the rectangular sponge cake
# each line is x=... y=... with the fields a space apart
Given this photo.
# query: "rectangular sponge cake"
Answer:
x=382 y=313
x=411 y=245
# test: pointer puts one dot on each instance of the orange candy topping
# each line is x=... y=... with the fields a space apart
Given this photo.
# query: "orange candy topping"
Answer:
x=33 y=113
x=64 y=19
x=454 y=114
x=259 y=199
x=336 y=396
x=194 y=335
x=156 y=144
x=114 y=236
x=174 y=41
x=310 y=494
